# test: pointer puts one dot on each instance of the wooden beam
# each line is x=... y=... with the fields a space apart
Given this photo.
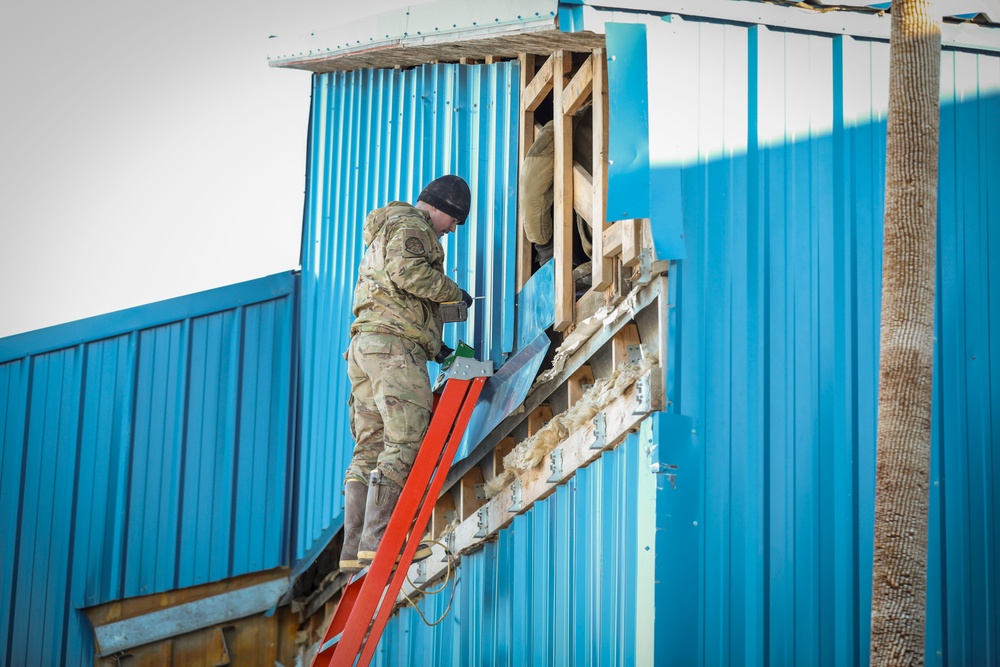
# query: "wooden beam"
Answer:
x=631 y=243
x=582 y=192
x=618 y=290
x=578 y=90
x=601 y=271
x=562 y=213
x=588 y=304
x=612 y=243
x=525 y=139
x=539 y=85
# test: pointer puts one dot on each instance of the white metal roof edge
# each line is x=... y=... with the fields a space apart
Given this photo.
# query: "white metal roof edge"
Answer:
x=862 y=24
x=424 y=24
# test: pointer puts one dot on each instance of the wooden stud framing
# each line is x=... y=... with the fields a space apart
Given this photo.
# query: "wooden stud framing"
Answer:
x=590 y=303
x=536 y=86
x=631 y=242
x=562 y=209
x=582 y=189
x=527 y=137
x=612 y=242
x=578 y=89
x=602 y=269
x=617 y=290
x=542 y=392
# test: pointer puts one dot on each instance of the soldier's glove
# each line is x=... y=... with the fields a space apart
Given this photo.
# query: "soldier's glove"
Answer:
x=467 y=298
x=444 y=353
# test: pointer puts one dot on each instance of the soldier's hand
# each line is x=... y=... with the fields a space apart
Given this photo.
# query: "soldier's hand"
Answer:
x=467 y=298
x=444 y=353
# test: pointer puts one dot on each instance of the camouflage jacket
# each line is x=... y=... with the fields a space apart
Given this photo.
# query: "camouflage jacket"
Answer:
x=401 y=279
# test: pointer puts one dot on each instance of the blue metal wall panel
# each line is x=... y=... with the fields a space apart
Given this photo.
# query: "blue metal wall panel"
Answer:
x=628 y=118
x=560 y=584
x=378 y=136
x=774 y=349
x=143 y=451
x=967 y=372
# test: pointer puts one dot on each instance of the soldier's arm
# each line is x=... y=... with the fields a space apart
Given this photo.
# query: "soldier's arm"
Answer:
x=407 y=265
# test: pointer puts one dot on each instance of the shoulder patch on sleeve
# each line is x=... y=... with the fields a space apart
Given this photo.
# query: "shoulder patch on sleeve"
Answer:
x=413 y=243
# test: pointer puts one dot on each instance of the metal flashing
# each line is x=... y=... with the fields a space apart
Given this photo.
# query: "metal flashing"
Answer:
x=125 y=634
x=504 y=392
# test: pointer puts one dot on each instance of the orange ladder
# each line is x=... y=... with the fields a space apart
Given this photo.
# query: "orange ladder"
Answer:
x=368 y=601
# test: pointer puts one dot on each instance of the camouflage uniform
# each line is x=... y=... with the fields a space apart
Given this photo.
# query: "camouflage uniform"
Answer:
x=397 y=328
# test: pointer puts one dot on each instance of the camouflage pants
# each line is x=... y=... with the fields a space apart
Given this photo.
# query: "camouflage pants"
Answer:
x=390 y=404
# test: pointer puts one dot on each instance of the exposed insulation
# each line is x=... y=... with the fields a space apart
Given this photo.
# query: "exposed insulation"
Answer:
x=588 y=327
x=530 y=452
x=582 y=333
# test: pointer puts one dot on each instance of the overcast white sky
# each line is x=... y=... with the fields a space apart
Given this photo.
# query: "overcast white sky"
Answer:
x=147 y=150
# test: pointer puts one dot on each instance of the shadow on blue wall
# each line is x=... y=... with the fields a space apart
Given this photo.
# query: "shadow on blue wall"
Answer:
x=766 y=542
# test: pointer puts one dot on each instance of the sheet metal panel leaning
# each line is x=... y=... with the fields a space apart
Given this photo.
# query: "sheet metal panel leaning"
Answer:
x=401 y=284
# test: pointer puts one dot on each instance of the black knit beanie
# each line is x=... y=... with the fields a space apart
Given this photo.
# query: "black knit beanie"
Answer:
x=449 y=194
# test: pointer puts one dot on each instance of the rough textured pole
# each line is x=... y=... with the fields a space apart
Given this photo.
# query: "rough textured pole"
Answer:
x=899 y=581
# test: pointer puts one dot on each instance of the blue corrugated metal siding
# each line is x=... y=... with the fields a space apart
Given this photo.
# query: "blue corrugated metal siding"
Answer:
x=143 y=451
x=966 y=422
x=378 y=136
x=562 y=585
x=767 y=542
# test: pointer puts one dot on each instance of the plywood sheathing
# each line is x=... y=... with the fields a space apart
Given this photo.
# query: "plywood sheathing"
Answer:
x=414 y=52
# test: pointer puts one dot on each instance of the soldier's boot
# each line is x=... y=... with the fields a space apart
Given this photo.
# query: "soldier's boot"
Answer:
x=355 y=498
x=383 y=495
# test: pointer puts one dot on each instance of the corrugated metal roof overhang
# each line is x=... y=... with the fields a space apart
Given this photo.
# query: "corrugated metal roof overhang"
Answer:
x=444 y=30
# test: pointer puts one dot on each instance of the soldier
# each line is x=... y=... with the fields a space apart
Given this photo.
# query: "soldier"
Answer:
x=397 y=329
